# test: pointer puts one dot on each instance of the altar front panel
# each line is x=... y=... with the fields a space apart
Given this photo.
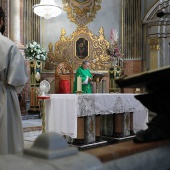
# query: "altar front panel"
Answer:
x=62 y=110
x=61 y=114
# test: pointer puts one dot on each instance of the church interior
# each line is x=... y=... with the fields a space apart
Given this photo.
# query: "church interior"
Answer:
x=122 y=40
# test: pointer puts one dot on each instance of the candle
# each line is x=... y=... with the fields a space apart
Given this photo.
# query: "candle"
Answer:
x=79 y=83
x=137 y=89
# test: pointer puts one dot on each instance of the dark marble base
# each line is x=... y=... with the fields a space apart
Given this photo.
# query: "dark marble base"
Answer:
x=112 y=140
x=82 y=145
x=92 y=145
x=78 y=142
x=82 y=141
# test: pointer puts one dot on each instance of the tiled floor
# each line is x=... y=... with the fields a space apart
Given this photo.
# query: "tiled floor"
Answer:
x=31 y=130
x=31 y=123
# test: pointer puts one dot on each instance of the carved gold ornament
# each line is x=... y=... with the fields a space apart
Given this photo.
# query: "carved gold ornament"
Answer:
x=81 y=12
x=65 y=50
x=154 y=44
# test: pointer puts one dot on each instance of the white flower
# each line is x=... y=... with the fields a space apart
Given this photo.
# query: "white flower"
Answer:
x=37 y=56
x=34 y=43
x=31 y=45
x=34 y=51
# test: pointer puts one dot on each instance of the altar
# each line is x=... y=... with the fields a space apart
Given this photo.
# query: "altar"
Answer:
x=63 y=110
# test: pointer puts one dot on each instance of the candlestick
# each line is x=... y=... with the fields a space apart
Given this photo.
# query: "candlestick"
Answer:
x=79 y=83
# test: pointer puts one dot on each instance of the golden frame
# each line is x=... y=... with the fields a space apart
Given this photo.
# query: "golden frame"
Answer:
x=64 y=50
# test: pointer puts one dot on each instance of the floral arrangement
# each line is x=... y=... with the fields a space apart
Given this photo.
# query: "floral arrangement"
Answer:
x=113 y=37
x=114 y=50
x=34 y=51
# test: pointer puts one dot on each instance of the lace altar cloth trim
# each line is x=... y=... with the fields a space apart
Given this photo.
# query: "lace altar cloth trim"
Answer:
x=107 y=104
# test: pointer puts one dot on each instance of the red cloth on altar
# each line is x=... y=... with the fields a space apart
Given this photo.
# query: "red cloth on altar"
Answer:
x=64 y=86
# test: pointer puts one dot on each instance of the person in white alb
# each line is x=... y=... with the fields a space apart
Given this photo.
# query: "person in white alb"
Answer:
x=13 y=77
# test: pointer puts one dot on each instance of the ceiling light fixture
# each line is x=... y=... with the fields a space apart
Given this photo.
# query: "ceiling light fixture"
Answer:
x=47 y=9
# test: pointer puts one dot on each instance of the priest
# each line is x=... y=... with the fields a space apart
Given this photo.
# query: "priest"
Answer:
x=84 y=72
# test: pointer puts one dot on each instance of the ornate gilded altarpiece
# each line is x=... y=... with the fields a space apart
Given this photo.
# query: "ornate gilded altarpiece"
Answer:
x=81 y=12
x=67 y=48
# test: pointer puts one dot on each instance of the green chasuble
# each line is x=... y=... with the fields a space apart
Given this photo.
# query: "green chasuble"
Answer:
x=84 y=73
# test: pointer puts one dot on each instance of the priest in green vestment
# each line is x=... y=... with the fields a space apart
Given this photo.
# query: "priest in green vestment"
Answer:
x=84 y=72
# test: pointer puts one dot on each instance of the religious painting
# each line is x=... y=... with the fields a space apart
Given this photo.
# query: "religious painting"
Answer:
x=82 y=48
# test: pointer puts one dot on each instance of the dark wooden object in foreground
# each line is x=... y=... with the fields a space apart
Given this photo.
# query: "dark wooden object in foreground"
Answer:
x=132 y=156
x=157 y=99
x=149 y=79
x=120 y=150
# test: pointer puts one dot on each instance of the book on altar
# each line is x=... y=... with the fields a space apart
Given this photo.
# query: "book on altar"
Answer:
x=98 y=76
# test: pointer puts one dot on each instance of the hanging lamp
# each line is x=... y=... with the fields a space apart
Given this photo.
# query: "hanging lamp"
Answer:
x=47 y=9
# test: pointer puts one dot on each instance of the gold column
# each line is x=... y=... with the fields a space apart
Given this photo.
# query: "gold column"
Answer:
x=97 y=85
x=154 y=44
x=42 y=100
x=43 y=117
x=35 y=67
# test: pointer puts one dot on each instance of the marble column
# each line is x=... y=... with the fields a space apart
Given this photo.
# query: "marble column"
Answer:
x=15 y=24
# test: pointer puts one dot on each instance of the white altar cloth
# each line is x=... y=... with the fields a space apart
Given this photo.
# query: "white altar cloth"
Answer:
x=62 y=110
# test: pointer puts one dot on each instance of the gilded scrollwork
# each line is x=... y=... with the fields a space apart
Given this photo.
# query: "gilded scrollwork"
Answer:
x=81 y=12
x=154 y=44
x=65 y=50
